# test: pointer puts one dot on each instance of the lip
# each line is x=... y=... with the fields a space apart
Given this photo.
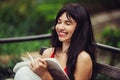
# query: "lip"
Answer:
x=61 y=34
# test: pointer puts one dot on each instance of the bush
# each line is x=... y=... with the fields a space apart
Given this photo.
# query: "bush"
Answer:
x=22 y=47
x=111 y=36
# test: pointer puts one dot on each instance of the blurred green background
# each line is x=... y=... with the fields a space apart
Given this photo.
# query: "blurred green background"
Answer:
x=34 y=17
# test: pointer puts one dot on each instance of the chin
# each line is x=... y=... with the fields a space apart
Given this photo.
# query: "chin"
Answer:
x=63 y=39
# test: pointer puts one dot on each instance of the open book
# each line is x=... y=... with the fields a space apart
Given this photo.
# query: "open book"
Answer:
x=54 y=67
x=56 y=70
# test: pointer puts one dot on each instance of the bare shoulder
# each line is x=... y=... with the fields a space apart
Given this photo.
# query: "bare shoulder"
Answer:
x=48 y=52
x=84 y=57
x=83 y=66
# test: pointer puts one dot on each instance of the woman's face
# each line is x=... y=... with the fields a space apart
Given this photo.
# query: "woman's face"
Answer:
x=65 y=28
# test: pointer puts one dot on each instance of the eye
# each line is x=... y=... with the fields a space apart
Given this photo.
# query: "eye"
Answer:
x=59 y=22
x=68 y=22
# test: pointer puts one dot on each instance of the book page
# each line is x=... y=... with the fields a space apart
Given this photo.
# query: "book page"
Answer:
x=56 y=70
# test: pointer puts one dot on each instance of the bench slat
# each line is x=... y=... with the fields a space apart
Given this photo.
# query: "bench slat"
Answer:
x=108 y=70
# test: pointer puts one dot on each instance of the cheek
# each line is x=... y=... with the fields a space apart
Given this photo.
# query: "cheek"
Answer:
x=72 y=33
x=56 y=28
x=72 y=30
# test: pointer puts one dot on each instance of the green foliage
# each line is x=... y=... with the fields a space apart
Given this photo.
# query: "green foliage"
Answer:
x=24 y=17
x=19 y=48
x=111 y=36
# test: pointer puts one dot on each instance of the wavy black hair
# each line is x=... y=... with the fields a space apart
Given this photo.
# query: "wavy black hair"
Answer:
x=82 y=38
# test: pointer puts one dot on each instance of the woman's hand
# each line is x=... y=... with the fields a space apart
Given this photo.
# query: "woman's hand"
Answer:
x=39 y=66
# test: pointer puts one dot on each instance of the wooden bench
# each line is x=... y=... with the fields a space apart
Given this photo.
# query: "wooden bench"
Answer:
x=107 y=70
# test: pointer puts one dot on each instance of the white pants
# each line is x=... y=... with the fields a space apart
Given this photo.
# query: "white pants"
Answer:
x=25 y=73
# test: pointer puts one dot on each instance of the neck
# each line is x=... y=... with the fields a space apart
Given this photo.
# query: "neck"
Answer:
x=65 y=47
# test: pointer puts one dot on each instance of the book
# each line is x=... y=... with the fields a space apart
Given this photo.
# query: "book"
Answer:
x=56 y=70
x=54 y=67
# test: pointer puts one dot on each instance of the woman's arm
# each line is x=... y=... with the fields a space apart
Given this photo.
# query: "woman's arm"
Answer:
x=83 y=70
x=39 y=65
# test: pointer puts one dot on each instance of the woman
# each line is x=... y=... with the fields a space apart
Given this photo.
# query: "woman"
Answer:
x=72 y=45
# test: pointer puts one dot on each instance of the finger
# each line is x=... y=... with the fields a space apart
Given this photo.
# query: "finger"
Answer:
x=37 y=64
x=31 y=65
x=43 y=61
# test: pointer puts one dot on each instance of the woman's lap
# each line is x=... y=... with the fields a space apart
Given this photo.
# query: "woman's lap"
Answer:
x=25 y=73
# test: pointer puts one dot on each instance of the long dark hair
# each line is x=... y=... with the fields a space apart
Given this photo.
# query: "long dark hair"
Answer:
x=82 y=38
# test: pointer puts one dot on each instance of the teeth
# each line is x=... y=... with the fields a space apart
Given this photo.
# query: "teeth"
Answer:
x=62 y=32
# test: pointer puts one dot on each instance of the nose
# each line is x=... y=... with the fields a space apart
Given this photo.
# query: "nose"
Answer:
x=61 y=26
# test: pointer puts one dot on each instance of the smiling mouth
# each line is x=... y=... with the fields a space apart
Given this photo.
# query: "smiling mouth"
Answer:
x=61 y=34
